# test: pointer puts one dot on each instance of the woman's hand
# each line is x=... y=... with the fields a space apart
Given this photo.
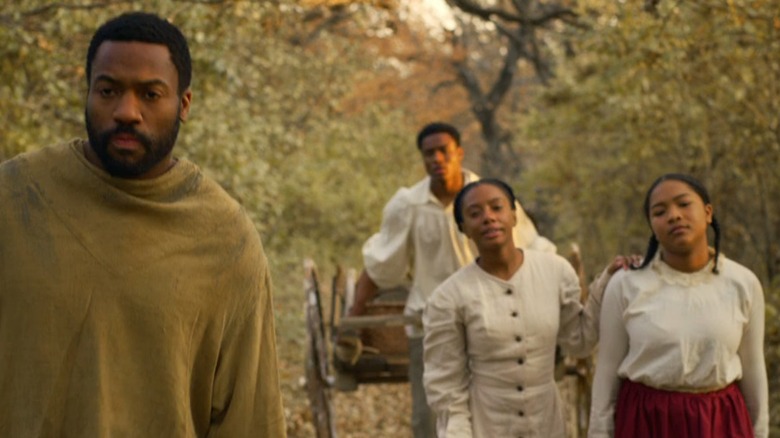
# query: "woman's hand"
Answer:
x=624 y=262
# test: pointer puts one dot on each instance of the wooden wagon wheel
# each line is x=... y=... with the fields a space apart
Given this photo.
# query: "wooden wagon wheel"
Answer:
x=318 y=377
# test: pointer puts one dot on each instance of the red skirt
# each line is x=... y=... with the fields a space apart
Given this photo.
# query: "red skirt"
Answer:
x=644 y=412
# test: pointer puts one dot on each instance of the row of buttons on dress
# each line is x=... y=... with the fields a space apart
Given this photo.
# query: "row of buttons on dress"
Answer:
x=520 y=361
x=518 y=338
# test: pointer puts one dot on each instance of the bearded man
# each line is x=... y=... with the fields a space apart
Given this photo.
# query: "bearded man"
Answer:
x=135 y=296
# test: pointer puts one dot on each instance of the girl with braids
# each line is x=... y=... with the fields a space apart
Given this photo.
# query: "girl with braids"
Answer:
x=681 y=336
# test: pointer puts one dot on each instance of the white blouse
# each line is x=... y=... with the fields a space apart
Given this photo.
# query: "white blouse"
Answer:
x=490 y=347
x=677 y=331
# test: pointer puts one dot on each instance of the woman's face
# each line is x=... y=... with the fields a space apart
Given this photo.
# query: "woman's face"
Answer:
x=679 y=217
x=488 y=217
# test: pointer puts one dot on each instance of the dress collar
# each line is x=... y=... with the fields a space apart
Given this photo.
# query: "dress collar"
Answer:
x=673 y=276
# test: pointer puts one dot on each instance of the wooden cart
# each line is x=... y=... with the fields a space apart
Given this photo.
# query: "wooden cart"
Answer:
x=345 y=352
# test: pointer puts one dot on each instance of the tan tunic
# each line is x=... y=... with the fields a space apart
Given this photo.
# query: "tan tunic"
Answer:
x=131 y=308
x=490 y=347
x=680 y=331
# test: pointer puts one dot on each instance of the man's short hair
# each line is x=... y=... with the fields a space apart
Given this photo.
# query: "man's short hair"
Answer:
x=146 y=28
x=436 y=128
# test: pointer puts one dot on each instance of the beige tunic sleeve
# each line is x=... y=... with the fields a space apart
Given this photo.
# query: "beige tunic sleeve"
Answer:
x=578 y=332
x=447 y=383
x=246 y=399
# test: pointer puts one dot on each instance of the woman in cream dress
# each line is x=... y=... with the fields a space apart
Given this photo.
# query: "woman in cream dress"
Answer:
x=491 y=329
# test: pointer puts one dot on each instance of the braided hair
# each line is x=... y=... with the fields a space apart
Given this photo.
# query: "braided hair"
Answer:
x=700 y=190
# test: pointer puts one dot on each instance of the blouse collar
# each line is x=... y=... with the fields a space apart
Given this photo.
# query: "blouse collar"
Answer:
x=673 y=276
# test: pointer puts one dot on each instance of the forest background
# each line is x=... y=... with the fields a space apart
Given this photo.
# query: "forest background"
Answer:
x=306 y=111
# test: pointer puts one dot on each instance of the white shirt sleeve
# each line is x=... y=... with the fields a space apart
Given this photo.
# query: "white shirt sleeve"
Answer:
x=754 y=385
x=387 y=254
x=613 y=348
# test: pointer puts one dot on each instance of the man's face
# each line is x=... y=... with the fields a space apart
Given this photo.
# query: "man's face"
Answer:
x=133 y=109
x=442 y=157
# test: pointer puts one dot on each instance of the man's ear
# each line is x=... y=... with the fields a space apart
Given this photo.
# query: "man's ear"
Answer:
x=186 y=101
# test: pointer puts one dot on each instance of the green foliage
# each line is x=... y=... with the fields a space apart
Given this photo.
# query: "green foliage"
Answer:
x=28 y=51
x=693 y=88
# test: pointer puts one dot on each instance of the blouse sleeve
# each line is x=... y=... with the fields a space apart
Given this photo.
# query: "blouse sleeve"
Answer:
x=754 y=384
x=612 y=350
x=578 y=332
x=446 y=375
x=387 y=254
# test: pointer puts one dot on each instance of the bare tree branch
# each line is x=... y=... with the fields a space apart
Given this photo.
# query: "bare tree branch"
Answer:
x=504 y=81
x=338 y=15
x=519 y=21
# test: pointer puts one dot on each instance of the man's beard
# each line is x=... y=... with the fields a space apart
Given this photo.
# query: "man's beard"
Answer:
x=155 y=149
